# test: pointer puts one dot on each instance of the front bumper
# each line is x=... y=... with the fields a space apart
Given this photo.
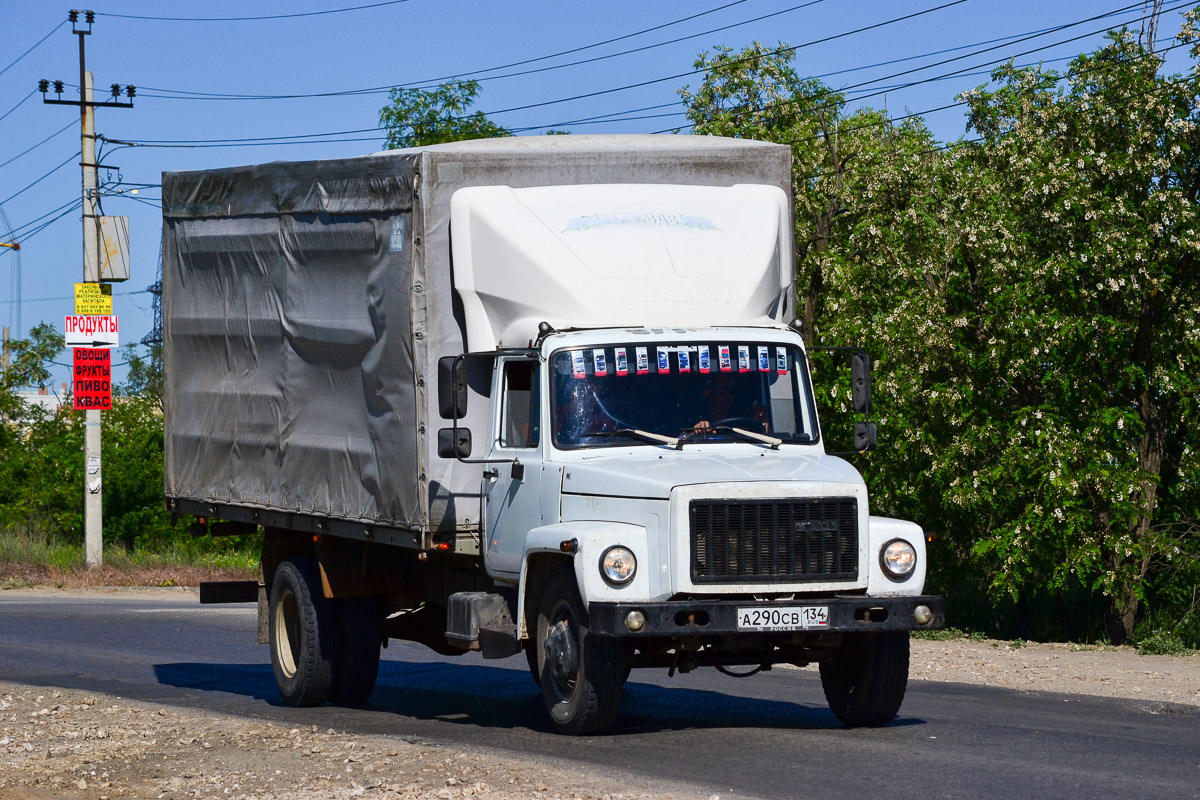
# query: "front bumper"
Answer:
x=857 y=613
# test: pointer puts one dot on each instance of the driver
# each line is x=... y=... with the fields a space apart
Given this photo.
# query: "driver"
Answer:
x=720 y=395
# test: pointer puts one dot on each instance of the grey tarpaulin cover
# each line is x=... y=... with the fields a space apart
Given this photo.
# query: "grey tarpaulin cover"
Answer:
x=305 y=305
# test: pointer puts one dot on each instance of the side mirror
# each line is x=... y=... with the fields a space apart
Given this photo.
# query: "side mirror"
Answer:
x=866 y=436
x=454 y=443
x=860 y=385
x=452 y=387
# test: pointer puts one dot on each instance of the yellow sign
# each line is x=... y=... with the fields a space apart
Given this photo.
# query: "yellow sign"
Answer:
x=93 y=299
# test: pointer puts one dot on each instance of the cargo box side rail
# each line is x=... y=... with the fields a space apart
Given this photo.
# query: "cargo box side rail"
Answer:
x=312 y=523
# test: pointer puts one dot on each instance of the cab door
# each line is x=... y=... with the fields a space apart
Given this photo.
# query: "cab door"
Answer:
x=511 y=491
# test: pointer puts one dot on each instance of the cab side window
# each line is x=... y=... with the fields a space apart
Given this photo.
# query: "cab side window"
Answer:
x=519 y=405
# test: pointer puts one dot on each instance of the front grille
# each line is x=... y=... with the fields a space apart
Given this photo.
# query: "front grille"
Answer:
x=758 y=541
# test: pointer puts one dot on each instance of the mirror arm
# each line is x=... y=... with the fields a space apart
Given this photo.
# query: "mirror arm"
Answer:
x=454 y=428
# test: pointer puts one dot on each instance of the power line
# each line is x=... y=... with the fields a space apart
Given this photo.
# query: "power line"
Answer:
x=144 y=201
x=1030 y=37
x=1165 y=86
x=15 y=233
x=1015 y=38
x=72 y=297
x=954 y=73
x=323 y=137
x=609 y=117
x=20 y=103
x=430 y=83
x=249 y=140
x=1008 y=38
x=30 y=50
x=201 y=95
x=39 y=144
x=911 y=115
x=252 y=19
x=75 y=206
x=39 y=180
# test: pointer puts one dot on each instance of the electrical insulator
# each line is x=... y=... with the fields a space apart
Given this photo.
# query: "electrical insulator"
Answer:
x=90 y=16
x=130 y=91
x=58 y=87
x=43 y=86
x=73 y=16
x=116 y=90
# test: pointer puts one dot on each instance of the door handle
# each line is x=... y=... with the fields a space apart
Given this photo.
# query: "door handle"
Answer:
x=491 y=474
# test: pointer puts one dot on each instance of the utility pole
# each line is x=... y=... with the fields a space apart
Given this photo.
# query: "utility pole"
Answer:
x=92 y=507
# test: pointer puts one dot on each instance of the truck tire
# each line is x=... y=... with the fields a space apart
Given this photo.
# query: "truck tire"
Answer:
x=356 y=662
x=302 y=633
x=531 y=657
x=865 y=680
x=581 y=674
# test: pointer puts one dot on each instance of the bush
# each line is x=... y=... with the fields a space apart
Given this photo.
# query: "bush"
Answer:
x=1163 y=643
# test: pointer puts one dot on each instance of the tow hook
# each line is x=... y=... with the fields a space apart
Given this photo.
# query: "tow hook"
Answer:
x=560 y=651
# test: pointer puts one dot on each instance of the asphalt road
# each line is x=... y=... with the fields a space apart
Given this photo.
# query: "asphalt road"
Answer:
x=770 y=736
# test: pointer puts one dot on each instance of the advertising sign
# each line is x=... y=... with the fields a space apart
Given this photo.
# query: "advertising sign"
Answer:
x=90 y=331
x=93 y=299
x=92 y=379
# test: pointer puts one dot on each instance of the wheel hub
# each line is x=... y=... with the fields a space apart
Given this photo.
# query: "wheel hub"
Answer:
x=561 y=653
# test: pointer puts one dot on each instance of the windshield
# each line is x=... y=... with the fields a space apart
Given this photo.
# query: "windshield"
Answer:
x=614 y=396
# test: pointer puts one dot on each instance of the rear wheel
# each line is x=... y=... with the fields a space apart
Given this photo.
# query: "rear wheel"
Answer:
x=356 y=664
x=302 y=633
x=865 y=680
x=581 y=674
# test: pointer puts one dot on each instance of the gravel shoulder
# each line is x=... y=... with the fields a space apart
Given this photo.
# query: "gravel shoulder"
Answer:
x=69 y=744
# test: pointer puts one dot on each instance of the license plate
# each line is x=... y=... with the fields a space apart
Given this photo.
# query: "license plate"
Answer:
x=789 y=618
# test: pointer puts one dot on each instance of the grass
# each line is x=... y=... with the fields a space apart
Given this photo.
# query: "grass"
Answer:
x=30 y=559
x=949 y=635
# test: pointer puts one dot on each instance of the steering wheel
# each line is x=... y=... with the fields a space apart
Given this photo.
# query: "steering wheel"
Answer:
x=749 y=423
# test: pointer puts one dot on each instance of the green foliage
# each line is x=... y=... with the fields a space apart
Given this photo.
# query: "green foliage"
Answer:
x=145 y=377
x=41 y=476
x=1161 y=643
x=948 y=635
x=418 y=117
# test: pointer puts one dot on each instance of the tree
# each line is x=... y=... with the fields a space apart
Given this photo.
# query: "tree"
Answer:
x=1078 y=288
x=1043 y=365
x=1031 y=299
x=145 y=376
x=418 y=117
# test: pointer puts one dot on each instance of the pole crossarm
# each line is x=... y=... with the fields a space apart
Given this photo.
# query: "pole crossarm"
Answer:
x=93 y=104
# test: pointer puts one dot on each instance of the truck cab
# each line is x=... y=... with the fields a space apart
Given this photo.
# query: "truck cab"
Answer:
x=661 y=494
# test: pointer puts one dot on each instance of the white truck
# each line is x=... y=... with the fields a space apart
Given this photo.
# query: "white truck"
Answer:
x=527 y=395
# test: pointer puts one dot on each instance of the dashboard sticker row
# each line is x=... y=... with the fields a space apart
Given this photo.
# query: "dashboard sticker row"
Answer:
x=684 y=360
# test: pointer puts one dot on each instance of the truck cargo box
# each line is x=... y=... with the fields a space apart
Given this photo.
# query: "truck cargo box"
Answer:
x=306 y=305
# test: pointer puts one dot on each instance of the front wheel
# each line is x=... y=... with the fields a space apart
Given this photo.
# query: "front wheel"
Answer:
x=580 y=674
x=864 y=681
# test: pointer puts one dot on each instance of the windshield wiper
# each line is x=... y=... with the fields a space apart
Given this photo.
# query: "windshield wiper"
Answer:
x=741 y=432
x=646 y=436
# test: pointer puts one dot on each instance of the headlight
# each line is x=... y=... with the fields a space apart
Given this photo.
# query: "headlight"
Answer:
x=898 y=559
x=617 y=565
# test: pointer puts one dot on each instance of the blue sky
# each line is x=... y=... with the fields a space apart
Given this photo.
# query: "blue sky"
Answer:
x=419 y=42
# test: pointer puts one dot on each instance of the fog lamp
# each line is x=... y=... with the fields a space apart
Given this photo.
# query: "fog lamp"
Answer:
x=617 y=565
x=635 y=621
x=922 y=615
x=898 y=559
